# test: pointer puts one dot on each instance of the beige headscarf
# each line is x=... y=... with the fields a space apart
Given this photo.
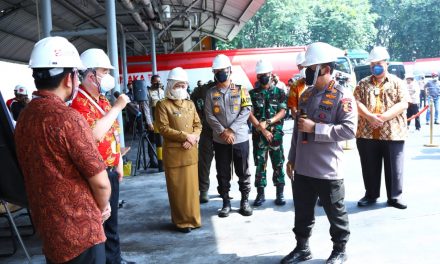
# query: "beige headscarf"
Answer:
x=170 y=86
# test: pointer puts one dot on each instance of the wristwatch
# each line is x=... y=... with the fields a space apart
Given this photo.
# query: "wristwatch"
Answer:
x=269 y=121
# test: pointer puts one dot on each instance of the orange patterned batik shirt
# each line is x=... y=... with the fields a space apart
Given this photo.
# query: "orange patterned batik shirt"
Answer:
x=379 y=98
x=109 y=145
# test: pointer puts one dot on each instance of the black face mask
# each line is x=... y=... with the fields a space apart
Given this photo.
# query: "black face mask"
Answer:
x=264 y=79
x=221 y=76
x=310 y=76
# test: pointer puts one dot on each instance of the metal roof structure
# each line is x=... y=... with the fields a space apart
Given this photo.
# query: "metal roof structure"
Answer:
x=83 y=22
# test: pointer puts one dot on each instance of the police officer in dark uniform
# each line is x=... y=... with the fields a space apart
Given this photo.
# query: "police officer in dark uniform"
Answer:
x=206 y=147
x=328 y=118
x=227 y=109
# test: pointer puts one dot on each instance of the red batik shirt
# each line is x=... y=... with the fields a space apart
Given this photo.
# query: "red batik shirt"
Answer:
x=57 y=154
x=108 y=146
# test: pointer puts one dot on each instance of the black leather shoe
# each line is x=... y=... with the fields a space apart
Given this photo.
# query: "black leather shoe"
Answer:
x=245 y=208
x=204 y=197
x=397 y=203
x=184 y=229
x=280 y=196
x=123 y=261
x=365 y=201
x=337 y=257
x=297 y=255
x=226 y=209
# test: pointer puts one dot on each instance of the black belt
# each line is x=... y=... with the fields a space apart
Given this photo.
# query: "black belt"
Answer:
x=111 y=169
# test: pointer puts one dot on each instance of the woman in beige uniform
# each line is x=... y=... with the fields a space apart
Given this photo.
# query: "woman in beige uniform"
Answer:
x=179 y=124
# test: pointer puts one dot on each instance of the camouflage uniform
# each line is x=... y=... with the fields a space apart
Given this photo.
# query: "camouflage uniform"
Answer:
x=266 y=104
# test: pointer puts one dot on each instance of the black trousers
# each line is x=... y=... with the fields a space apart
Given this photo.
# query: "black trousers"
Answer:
x=239 y=154
x=412 y=110
x=112 y=246
x=371 y=153
x=92 y=255
x=331 y=193
x=206 y=154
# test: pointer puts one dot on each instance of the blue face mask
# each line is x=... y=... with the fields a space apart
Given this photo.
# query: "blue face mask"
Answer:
x=377 y=70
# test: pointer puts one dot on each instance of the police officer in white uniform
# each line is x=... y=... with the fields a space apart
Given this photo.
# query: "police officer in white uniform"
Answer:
x=227 y=109
x=316 y=154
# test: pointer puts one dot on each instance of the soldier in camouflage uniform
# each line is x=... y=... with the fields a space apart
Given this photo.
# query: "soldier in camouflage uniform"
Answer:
x=269 y=109
x=206 y=148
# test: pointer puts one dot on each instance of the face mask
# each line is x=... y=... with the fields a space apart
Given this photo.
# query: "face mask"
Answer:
x=107 y=83
x=312 y=76
x=221 y=76
x=377 y=70
x=179 y=93
x=302 y=73
x=264 y=79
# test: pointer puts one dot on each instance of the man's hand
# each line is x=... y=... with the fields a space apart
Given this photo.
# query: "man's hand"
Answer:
x=193 y=139
x=268 y=135
x=228 y=135
x=262 y=126
x=374 y=120
x=122 y=101
x=106 y=213
x=306 y=125
x=289 y=169
x=120 y=170
x=150 y=127
x=187 y=145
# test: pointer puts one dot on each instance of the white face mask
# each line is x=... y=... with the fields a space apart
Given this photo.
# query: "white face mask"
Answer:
x=107 y=83
x=179 y=93
x=302 y=73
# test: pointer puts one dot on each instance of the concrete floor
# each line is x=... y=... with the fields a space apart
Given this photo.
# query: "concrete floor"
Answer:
x=379 y=234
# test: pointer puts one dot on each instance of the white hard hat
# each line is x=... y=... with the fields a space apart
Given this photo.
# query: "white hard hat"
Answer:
x=22 y=90
x=300 y=57
x=178 y=74
x=378 y=54
x=263 y=66
x=221 y=61
x=409 y=76
x=319 y=53
x=18 y=86
x=55 y=52
x=96 y=58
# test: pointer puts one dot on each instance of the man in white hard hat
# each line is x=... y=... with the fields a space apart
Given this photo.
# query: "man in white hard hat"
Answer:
x=382 y=101
x=11 y=100
x=227 y=109
x=66 y=182
x=298 y=86
x=268 y=111
x=101 y=117
x=20 y=102
x=328 y=117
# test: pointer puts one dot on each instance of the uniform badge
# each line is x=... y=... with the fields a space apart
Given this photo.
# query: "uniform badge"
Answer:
x=330 y=96
x=327 y=102
x=236 y=107
x=346 y=105
x=216 y=109
x=217 y=94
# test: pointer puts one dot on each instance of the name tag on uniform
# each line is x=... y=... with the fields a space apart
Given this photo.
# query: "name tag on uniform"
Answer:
x=178 y=114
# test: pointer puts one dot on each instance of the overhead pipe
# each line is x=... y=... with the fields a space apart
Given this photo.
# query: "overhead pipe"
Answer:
x=136 y=16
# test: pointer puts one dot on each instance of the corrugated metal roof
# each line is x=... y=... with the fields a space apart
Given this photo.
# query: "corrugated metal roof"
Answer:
x=222 y=19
